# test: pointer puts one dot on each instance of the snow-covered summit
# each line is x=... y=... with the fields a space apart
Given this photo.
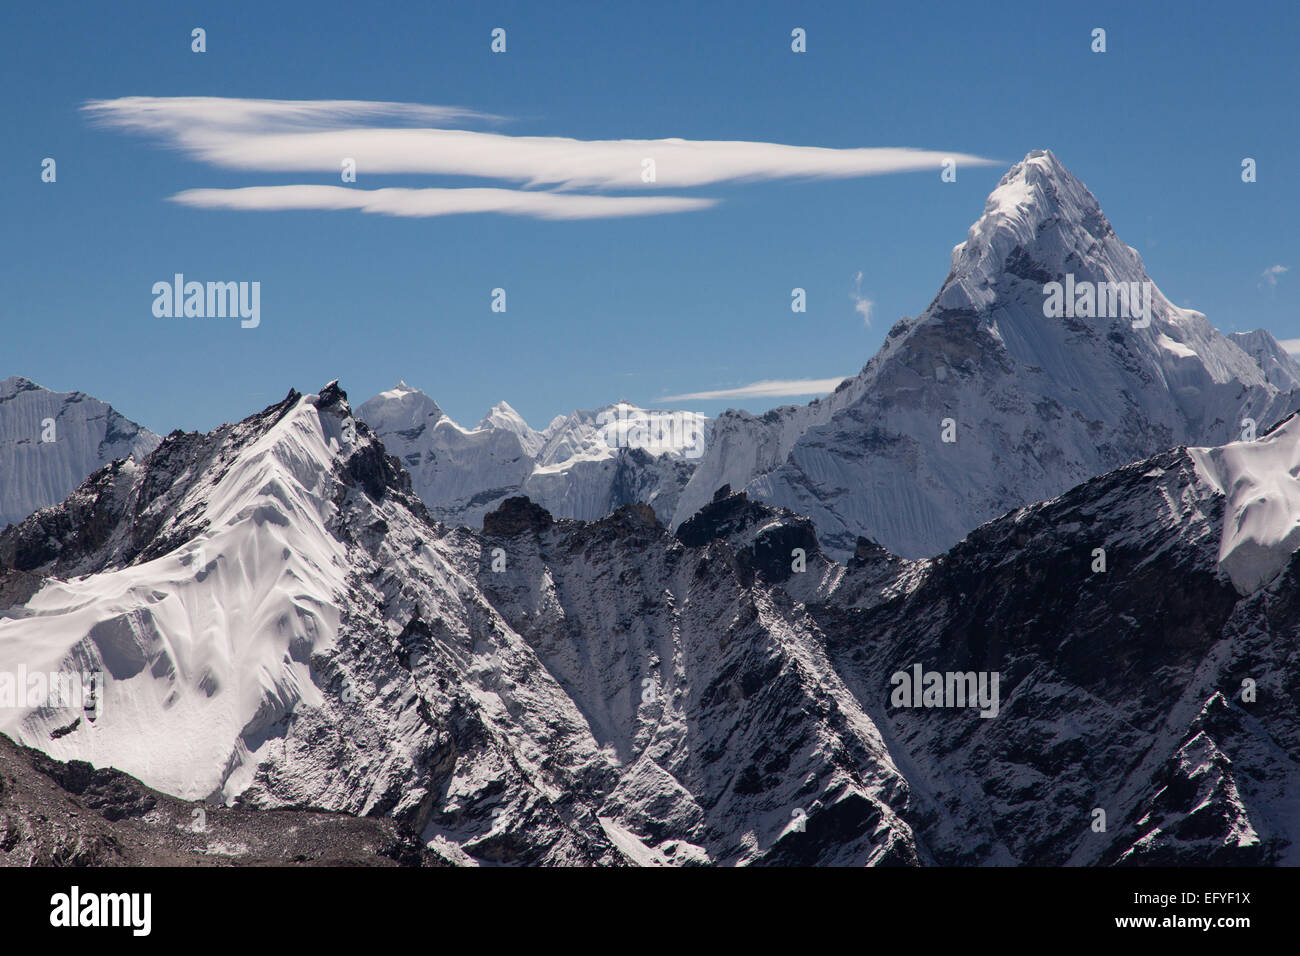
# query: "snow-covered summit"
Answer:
x=212 y=582
x=1039 y=203
x=502 y=416
x=1002 y=392
x=50 y=441
x=1277 y=364
x=404 y=408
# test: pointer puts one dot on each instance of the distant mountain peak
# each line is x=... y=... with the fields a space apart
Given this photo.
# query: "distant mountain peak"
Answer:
x=50 y=441
x=502 y=415
x=585 y=464
x=402 y=409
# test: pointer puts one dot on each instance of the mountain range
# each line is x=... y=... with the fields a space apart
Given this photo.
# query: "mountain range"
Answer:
x=282 y=624
x=765 y=655
x=583 y=465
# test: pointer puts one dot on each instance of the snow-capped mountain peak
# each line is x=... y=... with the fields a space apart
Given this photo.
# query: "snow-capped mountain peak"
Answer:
x=1039 y=204
x=215 y=584
x=502 y=416
x=50 y=441
x=1278 y=365
x=1047 y=357
x=404 y=409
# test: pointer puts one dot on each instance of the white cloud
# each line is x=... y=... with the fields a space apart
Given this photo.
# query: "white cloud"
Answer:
x=1291 y=345
x=861 y=304
x=175 y=115
x=765 y=389
x=437 y=202
x=314 y=136
x=1272 y=272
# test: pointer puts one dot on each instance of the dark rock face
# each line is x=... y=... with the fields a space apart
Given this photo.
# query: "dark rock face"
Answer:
x=725 y=515
x=775 y=549
x=1094 y=668
x=113 y=794
x=767 y=542
x=867 y=552
x=71 y=814
x=515 y=516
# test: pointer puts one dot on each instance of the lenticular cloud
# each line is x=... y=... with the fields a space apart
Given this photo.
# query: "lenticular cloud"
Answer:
x=317 y=136
x=437 y=201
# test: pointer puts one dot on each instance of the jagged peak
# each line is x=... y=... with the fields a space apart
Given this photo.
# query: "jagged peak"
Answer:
x=516 y=515
x=502 y=414
x=331 y=396
x=1040 y=211
x=1035 y=190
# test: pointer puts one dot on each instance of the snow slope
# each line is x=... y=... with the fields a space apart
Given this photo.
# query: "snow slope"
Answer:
x=1261 y=481
x=583 y=465
x=1037 y=404
x=86 y=434
x=212 y=640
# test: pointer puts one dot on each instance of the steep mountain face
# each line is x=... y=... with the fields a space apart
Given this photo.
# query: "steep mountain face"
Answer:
x=986 y=403
x=581 y=466
x=50 y=441
x=1124 y=679
x=1278 y=365
x=1142 y=627
x=280 y=623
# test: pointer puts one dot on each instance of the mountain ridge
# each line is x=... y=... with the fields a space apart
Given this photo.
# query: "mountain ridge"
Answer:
x=550 y=691
x=582 y=465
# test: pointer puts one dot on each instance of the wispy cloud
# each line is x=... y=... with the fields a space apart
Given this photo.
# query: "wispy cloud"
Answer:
x=785 y=388
x=315 y=136
x=1271 y=274
x=861 y=304
x=177 y=116
x=1291 y=345
x=437 y=202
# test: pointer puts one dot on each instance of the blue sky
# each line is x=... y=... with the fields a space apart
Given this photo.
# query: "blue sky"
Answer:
x=637 y=307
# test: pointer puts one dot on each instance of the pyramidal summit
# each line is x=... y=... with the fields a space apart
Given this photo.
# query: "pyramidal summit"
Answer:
x=1005 y=390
